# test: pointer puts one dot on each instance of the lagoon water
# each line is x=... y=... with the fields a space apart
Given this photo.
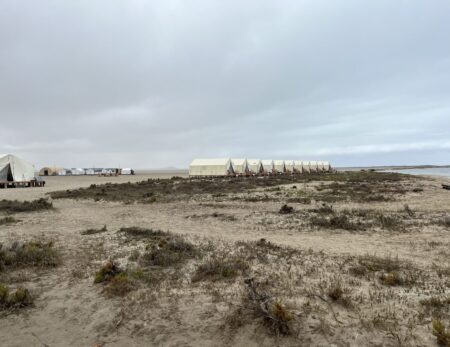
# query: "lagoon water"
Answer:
x=438 y=171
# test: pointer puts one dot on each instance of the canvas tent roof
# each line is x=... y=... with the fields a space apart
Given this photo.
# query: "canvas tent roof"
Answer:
x=279 y=165
x=298 y=166
x=240 y=165
x=255 y=166
x=267 y=165
x=13 y=168
x=211 y=167
x=289 y=165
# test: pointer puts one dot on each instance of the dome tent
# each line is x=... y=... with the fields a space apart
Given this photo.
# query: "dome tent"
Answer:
x=15 y=169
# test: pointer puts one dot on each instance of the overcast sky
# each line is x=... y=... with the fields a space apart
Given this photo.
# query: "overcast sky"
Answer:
x=152 y=84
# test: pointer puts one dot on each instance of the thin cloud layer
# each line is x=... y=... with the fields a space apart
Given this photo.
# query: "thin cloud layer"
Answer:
x=156 y=83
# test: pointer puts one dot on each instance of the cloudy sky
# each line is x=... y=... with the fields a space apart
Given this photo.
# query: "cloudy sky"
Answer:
x=153 y=84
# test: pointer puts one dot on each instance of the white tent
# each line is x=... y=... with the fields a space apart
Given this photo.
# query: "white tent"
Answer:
x=89 y=171
x=289 y=165
x=279 y=166
x=313 y=166
x=78 y=171
x=306 y=167
x=255 y=166
x=298 y=166
x=268 y=166
x=211 y=167
x=320 y=166
x=326 y=166
x=240 y=166
x=13 y=168
x=127 y=171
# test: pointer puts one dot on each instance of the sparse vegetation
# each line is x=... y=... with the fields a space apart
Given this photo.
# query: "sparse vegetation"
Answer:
x=8 y=220
x=285 y=209
x=94 y=231
x=357 y=186
x=33 y=253
x=12 y=300
x=442 y=334
x=15 y=206
x=220 y=268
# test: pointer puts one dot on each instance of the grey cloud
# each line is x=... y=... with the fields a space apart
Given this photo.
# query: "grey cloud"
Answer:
x=156 y=83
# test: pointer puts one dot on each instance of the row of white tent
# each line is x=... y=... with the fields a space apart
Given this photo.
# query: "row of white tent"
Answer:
x=247 y=167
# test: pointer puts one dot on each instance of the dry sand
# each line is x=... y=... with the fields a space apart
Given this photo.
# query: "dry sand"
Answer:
x=72 y=311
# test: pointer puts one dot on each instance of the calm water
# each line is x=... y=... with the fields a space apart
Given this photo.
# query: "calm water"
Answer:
x=440 y=171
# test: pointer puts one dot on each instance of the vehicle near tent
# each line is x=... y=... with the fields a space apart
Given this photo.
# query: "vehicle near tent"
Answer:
x=289 y=166
x=78 y=171
x=50 y=171
x=255 y=166
x=240 y=166
x=15 y=169
x=298 y=166
x=268 y=166
x=127 y=171
x=313 y=166
x=279 y=166
x=211 y=167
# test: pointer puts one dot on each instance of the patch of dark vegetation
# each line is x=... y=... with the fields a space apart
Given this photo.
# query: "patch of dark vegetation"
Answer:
x=285 y=209
x=8 y=220
x=220 y=267
x=142 y=233
x=271 y=311
x=94 y=231
x=263 y=251
x=163 y=249
x=324 y=209
x=169 y=251
x=335 y=221
x=33 y=253
x=396 y=278
x=442 y=334
x=445 y=222
x=368 y=185
x=220 y=216
x=10 y=301
x=115 y=279
x=15 y=206
x=436 y=306
x=338 y=293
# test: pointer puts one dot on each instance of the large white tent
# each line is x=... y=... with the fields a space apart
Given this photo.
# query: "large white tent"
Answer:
x=267 y=165
x=289 y=166
x=306 y=167
x=240 y=166
x=255 y=166
x=320 y=166
x=211 y=167
x=298 y=166
x=15 y=169
x=279 y=166
x=326 y=166
x=313 y=166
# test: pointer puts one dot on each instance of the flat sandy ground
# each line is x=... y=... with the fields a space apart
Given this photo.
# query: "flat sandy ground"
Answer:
x=70 y=310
